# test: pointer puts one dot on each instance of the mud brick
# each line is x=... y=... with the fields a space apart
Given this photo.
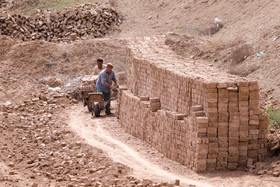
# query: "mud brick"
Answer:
x=244 y=109
x=212 y=95
x=223 y=110
x=243 y=98
x=233 y=109
x=233 y=99
x=243 y=133
x=223 y=131
x=254 y=117
x=223 y=124
x=144 y=98
x=254 y=132
x=222 y=85
x=253 y=154
x=223 y=149
x=199 y=113
x=213 y=124
x=213 y=148
x=212 y=132
x=231 y=104
x=243 y=138
x=213 y=140
x=254 y=88
x=233 y=123
x=223 y=100
x=221 y=166
x=212 y=156
x=213 y=104
x=154 y=100
x=244 y=123
x=201 y=165
x=242 y=84
x=253 y=104
x=212 y=109
x=155 y=104
x=253 y=146
x=223 y=119
x=254 y=122
x=243 y=128
x=243 y=90
x=232 y=159
x=233 y=141
x=232 y=166
x=243 y=104
x=212 y=116
x=233 y=149
x=243 y=144
x=211 y=90
x=253 y=141
x=202 y=125
x=196 y=108
x=223 y=114
x=154 y=109
x=223 y=145
x=223 y=139
x=254 y=95
x=233 y=133
x=211 y=85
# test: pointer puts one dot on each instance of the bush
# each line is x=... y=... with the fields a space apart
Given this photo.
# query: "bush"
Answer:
x=243 y=69
x=240 y=53
x=274 y=117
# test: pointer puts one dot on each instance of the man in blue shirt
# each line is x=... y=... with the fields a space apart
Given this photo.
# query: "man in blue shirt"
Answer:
x=104 y=84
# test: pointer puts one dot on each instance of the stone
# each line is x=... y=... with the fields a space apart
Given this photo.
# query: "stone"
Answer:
x=276 y=174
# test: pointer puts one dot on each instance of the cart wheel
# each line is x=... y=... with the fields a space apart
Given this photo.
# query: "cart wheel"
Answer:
x=89 y=107
x=96 y=109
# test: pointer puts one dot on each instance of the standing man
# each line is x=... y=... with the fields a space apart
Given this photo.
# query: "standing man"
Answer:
x=104 y=84
x=99 y=67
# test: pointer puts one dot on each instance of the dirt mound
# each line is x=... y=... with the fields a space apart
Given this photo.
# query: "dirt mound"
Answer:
x=66 y=25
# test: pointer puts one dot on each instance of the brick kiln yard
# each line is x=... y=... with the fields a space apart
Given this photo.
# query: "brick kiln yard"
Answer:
x=181 y=118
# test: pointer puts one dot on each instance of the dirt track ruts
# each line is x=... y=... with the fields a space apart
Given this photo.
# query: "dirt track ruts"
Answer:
x=107 y=134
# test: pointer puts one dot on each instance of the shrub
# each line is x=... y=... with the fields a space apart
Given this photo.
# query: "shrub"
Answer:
x=240 y=53
x=274 y=117
x=243 y=69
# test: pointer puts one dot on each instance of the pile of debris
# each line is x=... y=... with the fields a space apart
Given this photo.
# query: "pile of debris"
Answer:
x=61 y=26
x=272 y=166
x=35 y=140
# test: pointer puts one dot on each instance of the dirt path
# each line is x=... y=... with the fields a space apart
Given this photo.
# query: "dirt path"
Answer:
x=106 y=134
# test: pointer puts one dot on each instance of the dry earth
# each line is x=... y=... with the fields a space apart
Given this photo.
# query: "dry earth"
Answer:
x=37 y=149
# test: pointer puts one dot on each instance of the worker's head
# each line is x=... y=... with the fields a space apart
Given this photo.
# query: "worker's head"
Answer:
x=99 y=62
x=109 y=67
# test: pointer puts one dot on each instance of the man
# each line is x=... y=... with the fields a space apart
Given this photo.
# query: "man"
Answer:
x=104 y=84
x=99 y=67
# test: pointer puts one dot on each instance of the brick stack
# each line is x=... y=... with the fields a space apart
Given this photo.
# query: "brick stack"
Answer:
x=202 y=119
x=89 y=83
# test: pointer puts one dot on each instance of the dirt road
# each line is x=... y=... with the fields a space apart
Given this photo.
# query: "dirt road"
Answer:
x=147 y=163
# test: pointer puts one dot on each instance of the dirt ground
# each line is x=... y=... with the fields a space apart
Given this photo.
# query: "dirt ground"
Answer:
x=37 y=149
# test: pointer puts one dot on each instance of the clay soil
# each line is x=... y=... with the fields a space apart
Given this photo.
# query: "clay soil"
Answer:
x=47 y=138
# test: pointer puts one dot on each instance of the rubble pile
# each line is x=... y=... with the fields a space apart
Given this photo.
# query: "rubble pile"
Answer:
x=61 y=26
x=271 y=166
x=36 y=141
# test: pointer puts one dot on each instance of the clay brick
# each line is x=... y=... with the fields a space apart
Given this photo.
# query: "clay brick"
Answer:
x=154 y=99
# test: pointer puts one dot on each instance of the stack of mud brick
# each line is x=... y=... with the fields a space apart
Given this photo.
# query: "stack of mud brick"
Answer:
x=204 y=122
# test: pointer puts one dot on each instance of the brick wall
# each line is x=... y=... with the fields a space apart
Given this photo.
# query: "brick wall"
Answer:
x=194 y=115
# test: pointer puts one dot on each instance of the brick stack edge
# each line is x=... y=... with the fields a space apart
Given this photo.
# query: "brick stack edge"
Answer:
x=204 y=125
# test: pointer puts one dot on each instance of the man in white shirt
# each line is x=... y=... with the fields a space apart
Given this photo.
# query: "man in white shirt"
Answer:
x=99 y=67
